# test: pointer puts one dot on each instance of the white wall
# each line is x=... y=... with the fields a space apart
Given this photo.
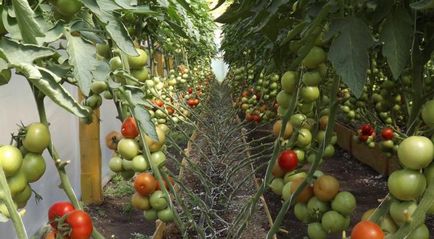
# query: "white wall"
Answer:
x=17 y=105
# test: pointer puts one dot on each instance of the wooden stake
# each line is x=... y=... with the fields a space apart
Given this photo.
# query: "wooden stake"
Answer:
x=160 y=63
x=90 y=158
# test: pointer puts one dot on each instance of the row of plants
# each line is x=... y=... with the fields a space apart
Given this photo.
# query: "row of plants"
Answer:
x=304 y=64
x=110 y=51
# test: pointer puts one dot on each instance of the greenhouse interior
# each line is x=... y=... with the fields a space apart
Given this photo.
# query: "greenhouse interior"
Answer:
x=217 y=119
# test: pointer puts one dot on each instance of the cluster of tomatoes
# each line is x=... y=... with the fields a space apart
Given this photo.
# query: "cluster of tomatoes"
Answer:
x=192 y=99
x=23 y=164
x=130 y=161
x=255 y=102
x=320 y=204
x=68 y=223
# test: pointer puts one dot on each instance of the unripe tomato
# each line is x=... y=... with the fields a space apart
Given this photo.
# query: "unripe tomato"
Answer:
x=301 y=212
x=150 y=215
x=137 y=62
x=316 y=231
x=428 y=113
x=140 y=202
x=141 y=74
x=128 y=148
x=326 y=187
x=309 y=93
x=315 y=57
x=68 y=7
x=277 y=186
x=158 y=200
x=406 y=184
x=278 y=126
x=333 y=222
x=166 y=215
x=304 y=138
x=401 y=212
x=11 y=159
x=115 y=164
x=416 y=152
x=37 y=138
x=311 y=78
x=344 y=203
x=33 y=167
x=289 y=81
x=421 y=232
x=307 y=192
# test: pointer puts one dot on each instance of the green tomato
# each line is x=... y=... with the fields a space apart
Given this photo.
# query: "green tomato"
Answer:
x=416 y=152
x=23 y=197
x=115 y=63
x=150 y=215
x=401 y=212
x=421 y=232
x=333 y=222
x=158 y=158
x=141 y=74
x=406 y=184
x=428 y=113
x=137 y=62
x=33 y=167
x=304 y=138
x=316 y=231
x=309 y=93
x=115 y=164
x=315 y=57
x=301 y=212
x=158 y=201
x=128 y=148
x=286 y=191
x=97 y=86
x=103 y=50
x=166 y=215
x=94 y=101
x=291 y=176
x=289 y=81
x=317 y=208
x=297 y=120
x=344 y=203
x=17 y=183
x=300 y=154
x=68 y=7
x=329 y=151
x=277 y=186
x=11 y=159
x=283 y=99
x=311 y=78
x=140 y=164
x=37 y=138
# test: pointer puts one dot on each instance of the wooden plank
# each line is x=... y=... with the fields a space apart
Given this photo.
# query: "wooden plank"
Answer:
x=159 y=59
x=90 y=158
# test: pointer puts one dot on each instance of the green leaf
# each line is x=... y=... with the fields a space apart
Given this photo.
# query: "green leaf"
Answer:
x=349 y=53
x=16 y=53
x=49 y=84
x=82 y=57
x=101 y=71
x=163 y=3
x=143 y=117
x=104 y=11
x=422 y=4
x=142 y=9
x=29 y=27
x=397 y=37
x=52 y=35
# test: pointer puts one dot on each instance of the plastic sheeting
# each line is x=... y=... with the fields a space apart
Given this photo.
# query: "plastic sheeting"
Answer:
x=17 y=105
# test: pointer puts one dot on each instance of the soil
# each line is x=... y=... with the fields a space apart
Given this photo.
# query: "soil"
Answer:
x=116 y=219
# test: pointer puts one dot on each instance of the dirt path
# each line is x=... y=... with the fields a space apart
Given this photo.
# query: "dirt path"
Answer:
x=223 y=181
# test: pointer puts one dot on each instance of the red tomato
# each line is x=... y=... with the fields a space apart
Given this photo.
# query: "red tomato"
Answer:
x=191 y=102
x=387 y=133
x=158 y=102
x=145 y=184
x=288 y=160
x=190 y=90
x=58 y=210
x=165 y=183
x=367 y=129
x=256 y=118
x=196 y=101
x=170 y=110
x=367 y=230
x=363 y=138
x=245 y=94
x=129 y=128
x=80 y=225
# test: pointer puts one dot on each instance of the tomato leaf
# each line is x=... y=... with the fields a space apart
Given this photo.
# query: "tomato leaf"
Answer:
x=422 y=4
x=142 y=9
x=53 y=34
x=29 y=28
x=104 y=10
x=143 y=118
x=101 y=71
x=82 y=57
x=49 y=84
x=397 y=37
x=349 y=52
x=16 y=53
